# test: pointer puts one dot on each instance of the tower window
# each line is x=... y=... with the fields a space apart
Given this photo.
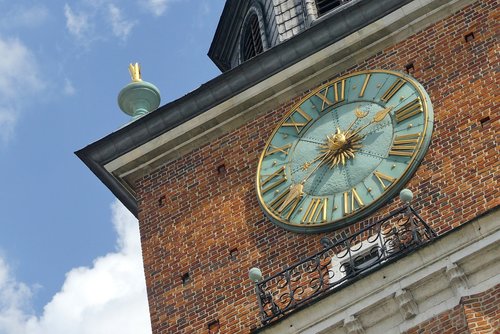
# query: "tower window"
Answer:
x=251 y=41
x=325 y=6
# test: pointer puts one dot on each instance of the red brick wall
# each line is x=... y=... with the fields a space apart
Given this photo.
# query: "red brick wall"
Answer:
x=449 y=322
x=477 y=314
x=206 y=214
x=482 y=311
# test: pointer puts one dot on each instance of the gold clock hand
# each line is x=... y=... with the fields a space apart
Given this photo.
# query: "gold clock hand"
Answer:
x=323 y=158
x=296 y=190
x=359 y=114
x=381 y=114
x=377 y=118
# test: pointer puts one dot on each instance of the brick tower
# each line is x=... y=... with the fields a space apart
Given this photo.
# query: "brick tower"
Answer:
x=225 y=179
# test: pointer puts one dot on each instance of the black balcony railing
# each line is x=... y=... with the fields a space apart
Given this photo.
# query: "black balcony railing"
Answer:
x=380 y=243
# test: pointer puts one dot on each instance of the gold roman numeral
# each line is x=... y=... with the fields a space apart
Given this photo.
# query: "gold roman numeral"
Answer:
x=274 y=149
x=405 y=145
x=382 y=177
x=298 y=125
x=316 y=211
x=367 y=78
x=409 y=110
x=339 y=95
x=352 y=201
x=325 y=102
x=283 y=202
x=392 y=90
x=273 y=180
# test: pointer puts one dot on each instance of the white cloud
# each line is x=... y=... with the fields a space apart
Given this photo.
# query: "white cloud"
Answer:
x=22 y=16
x=68 y=88
x=109 y=297
x=19 y=79
x=95 y=14
x=78 y=24
x=156 y=7
x=13 y=298
x=121 y=27
x=18 y=68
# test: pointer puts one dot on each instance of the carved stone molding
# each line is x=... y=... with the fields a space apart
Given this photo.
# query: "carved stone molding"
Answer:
x=407 y=305
x=456 y=277
x=353 y=325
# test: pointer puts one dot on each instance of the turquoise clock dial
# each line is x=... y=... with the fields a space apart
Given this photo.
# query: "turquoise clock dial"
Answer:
x=344 y=150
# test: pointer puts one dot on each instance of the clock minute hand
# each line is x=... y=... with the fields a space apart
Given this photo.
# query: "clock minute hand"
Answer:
x=377 y=118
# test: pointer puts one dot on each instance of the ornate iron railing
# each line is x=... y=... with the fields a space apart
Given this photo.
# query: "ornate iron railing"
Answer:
x=392 y=237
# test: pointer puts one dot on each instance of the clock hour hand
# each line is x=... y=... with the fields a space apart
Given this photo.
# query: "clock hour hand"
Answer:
x=296 y=190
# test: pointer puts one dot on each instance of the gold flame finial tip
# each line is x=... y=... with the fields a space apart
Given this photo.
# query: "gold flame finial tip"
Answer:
x=135 y=72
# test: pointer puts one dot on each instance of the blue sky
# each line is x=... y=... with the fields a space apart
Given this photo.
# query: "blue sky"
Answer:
x=69 y=253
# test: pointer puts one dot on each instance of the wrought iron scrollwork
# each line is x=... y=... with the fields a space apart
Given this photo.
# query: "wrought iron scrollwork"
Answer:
x=377 y=244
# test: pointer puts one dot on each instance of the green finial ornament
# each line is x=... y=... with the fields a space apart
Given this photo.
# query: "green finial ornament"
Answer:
x=255 y=275
x=138 y=97
x=406 y=196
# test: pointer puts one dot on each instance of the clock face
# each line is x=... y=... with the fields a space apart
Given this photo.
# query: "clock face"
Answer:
x=344 y=150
